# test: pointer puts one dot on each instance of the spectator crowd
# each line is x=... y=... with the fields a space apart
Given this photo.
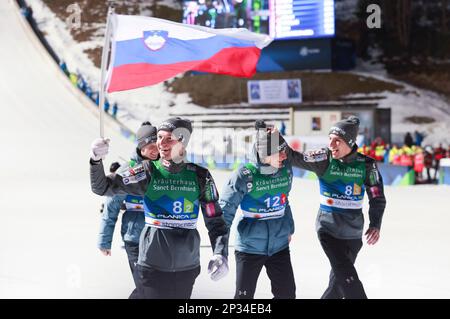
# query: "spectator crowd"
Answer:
x=422 y=159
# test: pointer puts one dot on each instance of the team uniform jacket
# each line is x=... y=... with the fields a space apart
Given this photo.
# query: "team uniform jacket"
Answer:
x=342 y=186
x=259 y=231
x=168 y=248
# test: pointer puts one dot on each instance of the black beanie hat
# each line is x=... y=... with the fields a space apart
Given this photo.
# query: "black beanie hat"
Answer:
x=268 y=143
x=146 y=134
x=181 y=128
x=347 y=129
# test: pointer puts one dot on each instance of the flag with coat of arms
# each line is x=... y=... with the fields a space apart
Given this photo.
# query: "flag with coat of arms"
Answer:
x=147 y=50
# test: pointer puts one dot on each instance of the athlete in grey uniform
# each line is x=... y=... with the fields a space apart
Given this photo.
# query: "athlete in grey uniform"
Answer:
x=344 y=176
x=173 y=190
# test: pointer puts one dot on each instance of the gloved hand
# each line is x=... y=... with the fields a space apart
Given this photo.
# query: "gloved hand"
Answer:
x=218 y=267
x=269 y=142
x=99 y=149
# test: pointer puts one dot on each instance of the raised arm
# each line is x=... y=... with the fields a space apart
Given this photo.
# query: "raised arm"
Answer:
x=316 y=161
x=132 y=181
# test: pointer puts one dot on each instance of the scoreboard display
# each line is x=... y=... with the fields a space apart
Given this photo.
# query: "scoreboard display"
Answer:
x=281 y=19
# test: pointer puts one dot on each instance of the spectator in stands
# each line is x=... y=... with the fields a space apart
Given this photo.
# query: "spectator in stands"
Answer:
x=88 y=91
x=428 y=161
x=366 y=136
x=408 y=140
x=387 y=152
x=95 y=97
x=283 y=128
x=27 y=12
x=364 y=149
x=106 y=106
x=418 y=164
x=394 y=155
x=81 y=83
x=439 y=153
x=378 y=147
x=419 y=138
x=406 y=157
x=63 y=67
x=115 y=108
x=73 y=79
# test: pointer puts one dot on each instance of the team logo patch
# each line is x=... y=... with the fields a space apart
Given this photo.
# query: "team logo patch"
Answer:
x=374 y=177
x=155 y=39
x=375 y=191
x=283 y=199
x=211 y=193
x=356 y=189
x=315 y=156
x=210 y=210
x=191 y=167
x=188 y=206
x=133 y=179
x=131 y=171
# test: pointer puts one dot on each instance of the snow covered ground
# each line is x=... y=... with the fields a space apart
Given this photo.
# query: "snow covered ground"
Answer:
x=50 y=217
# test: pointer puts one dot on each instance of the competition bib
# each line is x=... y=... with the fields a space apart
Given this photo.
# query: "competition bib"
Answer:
x=171 y=200
x=268 y=197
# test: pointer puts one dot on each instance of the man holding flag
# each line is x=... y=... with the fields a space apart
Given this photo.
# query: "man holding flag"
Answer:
x=174 y=190
x=146 y=51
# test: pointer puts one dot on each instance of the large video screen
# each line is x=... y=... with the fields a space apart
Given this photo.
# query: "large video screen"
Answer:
x=281 y=19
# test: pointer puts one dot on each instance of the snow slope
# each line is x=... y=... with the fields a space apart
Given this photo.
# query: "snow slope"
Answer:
x=50 y=217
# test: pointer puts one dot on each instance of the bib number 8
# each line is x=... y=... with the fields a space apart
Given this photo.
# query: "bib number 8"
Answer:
x=348 y=190
x=177 y=207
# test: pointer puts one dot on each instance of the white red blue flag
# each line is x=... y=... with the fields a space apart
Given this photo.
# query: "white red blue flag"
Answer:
x=146 y=51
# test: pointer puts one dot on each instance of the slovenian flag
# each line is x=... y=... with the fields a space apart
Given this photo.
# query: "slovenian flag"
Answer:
x=146 y=51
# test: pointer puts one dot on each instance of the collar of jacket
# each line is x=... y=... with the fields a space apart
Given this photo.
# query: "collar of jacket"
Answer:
x=173 y=167
x=351 y=156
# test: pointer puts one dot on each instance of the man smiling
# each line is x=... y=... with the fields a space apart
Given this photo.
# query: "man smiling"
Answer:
x=344 y=175
x=169 y=246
